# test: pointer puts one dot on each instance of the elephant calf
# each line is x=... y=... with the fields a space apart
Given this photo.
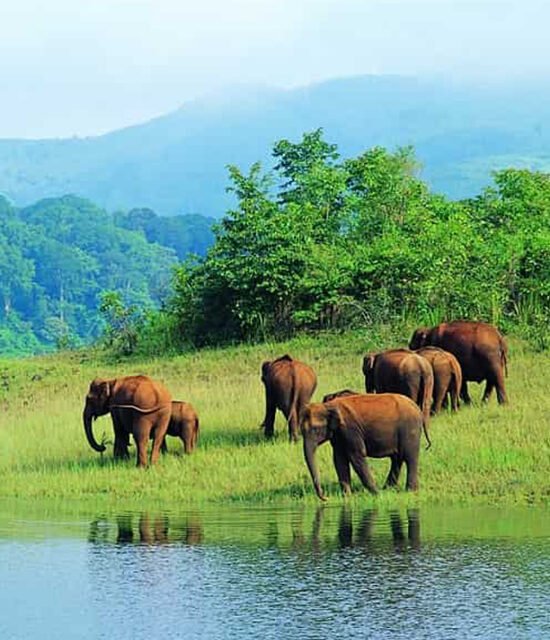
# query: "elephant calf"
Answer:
x=184 y=424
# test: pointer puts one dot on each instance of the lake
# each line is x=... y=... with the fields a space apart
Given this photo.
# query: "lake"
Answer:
x=301 y=572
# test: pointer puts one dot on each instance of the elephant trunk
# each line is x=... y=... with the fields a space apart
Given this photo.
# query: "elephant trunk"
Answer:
x=310 y=447
x=87 y=417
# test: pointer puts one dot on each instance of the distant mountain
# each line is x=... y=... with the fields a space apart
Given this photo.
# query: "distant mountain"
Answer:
x=177 y=163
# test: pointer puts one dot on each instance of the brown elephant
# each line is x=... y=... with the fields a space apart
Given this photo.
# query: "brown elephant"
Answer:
x=289 y=385
x=447 y=376
x=480 y=349
x=343 y=393
x=138 y=405
x=184 y=424
x=400 y=371
x=375 y=425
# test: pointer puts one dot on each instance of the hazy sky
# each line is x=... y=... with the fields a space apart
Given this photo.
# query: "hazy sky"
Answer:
x=78 y=67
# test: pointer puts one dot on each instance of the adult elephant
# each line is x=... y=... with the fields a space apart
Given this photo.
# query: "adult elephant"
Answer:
x=480 y=349
x=447 y=376
x=184 y=424
x=374 y=425
x=343 y=393
x=138 y=405
x=289 y=385
x=400 y=371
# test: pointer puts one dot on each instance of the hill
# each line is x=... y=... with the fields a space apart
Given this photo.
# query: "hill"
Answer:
x=177 y=163
x=59 y=256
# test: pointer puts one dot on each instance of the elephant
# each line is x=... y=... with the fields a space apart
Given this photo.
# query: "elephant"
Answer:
x=138 y=405
x=480 y=349
x=375 y=425
x=184 y=424
x=400 y=371
x=289 y=385
x=340 y=394
x=447 y=376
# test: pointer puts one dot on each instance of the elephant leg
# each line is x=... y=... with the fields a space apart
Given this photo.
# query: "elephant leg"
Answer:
x=122 y=438
x=489 y=386
x=341 y=464
x=189 y=437
x=293 y=427
x=359 y=464
x=501 y=391
x=439 y=397
x=453 y=393
x=161 y=426
x=269 y=421
x=412 y=472
x=464 y=393
x=395 y=470
x=142 y=429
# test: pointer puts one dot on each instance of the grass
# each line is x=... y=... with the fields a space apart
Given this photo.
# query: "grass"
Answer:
x=481 y=456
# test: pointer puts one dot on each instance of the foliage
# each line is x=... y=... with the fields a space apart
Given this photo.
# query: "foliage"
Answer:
x=59 y=255
x=121 y=323
x=321 y=243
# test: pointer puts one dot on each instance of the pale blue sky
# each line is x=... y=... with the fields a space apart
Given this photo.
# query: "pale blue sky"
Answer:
x=85 y=67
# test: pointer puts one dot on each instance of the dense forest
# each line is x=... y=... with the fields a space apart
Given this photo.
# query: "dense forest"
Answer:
x=66 y=266
x=322 y=242
x=318 y=242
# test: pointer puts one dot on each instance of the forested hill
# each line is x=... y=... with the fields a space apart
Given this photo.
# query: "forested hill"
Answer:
x=176 y=163
x=60 y=255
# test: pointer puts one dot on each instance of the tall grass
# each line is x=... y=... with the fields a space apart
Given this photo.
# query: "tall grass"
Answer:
x=484 y=454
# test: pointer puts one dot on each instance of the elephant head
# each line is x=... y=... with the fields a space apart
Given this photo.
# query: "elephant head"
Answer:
x=368 y=369
x=419 y=338
x=318 y=424
x=97 y=404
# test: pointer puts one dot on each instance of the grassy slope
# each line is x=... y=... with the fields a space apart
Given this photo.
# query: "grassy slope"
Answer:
x=483 y=455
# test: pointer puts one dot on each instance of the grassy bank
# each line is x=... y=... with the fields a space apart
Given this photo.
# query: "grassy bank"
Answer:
x=482 y=455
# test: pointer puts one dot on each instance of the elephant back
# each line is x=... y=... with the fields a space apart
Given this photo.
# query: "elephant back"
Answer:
x=141 y=392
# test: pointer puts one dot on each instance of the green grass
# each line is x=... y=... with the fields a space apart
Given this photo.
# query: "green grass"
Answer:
x=483 y=455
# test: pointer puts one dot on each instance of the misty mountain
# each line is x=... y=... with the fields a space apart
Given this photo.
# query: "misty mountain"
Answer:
x=177 y=163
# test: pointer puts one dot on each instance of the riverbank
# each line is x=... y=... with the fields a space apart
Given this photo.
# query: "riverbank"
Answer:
x=482 y=455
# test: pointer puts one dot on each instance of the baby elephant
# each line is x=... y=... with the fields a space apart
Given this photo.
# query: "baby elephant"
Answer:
x=184 y=424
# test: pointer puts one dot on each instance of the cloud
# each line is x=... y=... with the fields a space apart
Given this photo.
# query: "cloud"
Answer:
x=72 y=67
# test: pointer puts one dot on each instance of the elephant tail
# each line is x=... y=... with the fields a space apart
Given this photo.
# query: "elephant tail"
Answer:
x=504 y=355
x=136 y=408
x=293 y=417
x=426 y=395
x=197 y=431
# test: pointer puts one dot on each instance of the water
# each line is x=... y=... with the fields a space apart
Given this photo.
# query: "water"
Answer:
x=275 y=573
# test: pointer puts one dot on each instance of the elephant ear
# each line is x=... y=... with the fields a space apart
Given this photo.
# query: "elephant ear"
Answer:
x=265 y=369
x=102 y=389
x=334 y=419
x=368 y=362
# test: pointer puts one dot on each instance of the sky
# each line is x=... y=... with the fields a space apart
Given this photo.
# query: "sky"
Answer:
x=73 y=67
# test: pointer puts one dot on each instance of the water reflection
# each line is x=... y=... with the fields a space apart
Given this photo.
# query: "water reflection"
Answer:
x=403 y=536
x=277 y=573
x=146 y=528
x=368 y=529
